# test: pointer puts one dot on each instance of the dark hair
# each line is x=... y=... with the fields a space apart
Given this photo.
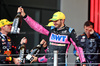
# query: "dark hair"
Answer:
x=88 y=23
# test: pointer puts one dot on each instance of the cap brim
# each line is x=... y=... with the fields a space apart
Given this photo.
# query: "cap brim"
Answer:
x=47 y=25
x=10 y=23
x=7 y=24
x=53 y=19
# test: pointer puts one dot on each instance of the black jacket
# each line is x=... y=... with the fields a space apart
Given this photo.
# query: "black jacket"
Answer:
x=5 y=42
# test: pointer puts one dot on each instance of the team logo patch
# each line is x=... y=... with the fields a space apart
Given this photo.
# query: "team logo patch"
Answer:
x=83 y=37
x=57 y=44
x=9 y=40
x=64 y=31
x=3 y=43
x=58 y=38
x=92 y=40
x=4 y=47
x=3 y=40
x=82 y=40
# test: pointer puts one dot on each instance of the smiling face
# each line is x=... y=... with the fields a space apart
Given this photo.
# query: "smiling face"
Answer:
x=59 y=23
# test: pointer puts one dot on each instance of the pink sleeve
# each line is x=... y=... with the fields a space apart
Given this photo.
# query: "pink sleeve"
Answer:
x=36 y=26
x=45 y=50
x=81 y=54
x=79 y=51
x=42 y=59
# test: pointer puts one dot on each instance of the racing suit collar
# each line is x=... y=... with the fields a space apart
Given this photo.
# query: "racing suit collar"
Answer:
x=86 y=35
x=61 y=28
x=3 y=35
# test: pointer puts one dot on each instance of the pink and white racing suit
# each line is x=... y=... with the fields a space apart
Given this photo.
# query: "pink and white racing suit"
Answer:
x=59 y=39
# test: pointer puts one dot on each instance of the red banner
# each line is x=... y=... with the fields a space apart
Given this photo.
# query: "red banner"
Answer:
x=94 y=14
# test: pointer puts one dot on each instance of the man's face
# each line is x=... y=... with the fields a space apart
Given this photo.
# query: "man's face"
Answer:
x=7 y=28
x=58 y=23
x=88 y=29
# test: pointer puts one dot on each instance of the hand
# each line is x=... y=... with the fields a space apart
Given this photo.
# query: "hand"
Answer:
x=76 y=54
x=34 y=60
x=20 y=9
x=84 y=65
x=23 y=40
x=91 y=31
x=44 y=43
x=16 y=61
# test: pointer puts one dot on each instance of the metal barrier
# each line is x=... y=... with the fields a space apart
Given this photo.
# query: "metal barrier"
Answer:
x=55 y=59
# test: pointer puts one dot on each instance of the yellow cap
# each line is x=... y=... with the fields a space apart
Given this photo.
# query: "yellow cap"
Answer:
x=50 y=24
x=57 y=16
x=4 y=22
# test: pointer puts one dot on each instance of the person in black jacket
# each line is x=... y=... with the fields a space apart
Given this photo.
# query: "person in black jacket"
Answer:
x=6 y=46
x=90 y=42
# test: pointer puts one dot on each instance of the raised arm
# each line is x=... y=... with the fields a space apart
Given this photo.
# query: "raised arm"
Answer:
x=32 y=23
